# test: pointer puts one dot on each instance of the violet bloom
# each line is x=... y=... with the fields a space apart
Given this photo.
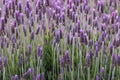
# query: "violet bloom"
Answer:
x=38 y=77
x=17 y=16
x=114 y=59
x=117 y=27
x=85 y=39
x=0 y=60
x=43 y=76
x=38 y=30
x=28 y=4
x=13 y=39
x=19 y=6
x=62 y=62
x=12 y=28
x=32 y=35
x=97 y=77
x=40 y=51
x=86 y=8
x=6 y=10
x=22 y=18
x=68 y=38
x=111 y=49
x=5 y=61
x=13 y=50
x=94 y=13
x=102 y=71
x=118 y=59
x=2 y=42
x=67 y=57
x=88 y=59
x=29 y=49
x=2 y=23
x=24 y=31
x=57 y=36
x=103 y=27
x=27 y=12
x=21 y=58
x=14 y=77
x=27 y=73
x=1 y=64
x=32 y=21
x=0 y=12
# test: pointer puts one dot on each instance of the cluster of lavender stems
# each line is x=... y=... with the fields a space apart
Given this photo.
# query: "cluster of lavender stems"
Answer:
x=59 y=39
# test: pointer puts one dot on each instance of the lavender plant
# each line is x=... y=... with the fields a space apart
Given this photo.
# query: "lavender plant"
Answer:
x=59 y=39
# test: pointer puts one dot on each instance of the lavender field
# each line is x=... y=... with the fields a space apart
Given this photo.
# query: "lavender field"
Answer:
x=59 y=39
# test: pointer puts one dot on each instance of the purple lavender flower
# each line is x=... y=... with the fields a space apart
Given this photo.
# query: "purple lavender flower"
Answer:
x=28 y=4
x=21 y=58
x=97 y=77
x=27 y=12
x=1 y=63
x=32 y=21
x=0 y=12
x=86 y=8
x=19 y=6
x=13 y=39
x=43 y=76
x=38 y=77
x=103 y=27
x=17 y=16
x=22 y=18
x=2 y=42
x=118 y=59
x=38 y=30
x=111 y=49
x=114 y=59
x=24 y=31
x=32 y=35
x=62 y=62
x=2 y=23
x=67 y=57
x=90 y=20
x=29 y=49
x=57 y=36
x=14 y=77
x=6 y=10
x=40 y=51
x=94 y=13
x=13 y=50
x=12 y=28
x=27 y=73
x=88 y=60
x=5 y=61
x=13 y=5
x=102 y=71
x=0 y=60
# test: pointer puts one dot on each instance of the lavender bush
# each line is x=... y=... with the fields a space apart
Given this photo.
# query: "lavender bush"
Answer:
x=59 y=39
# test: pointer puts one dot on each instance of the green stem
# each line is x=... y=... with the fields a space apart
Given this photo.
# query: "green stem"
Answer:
x=4 y=73
x=110 y=70
x=88 y=73
x=113 y=72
